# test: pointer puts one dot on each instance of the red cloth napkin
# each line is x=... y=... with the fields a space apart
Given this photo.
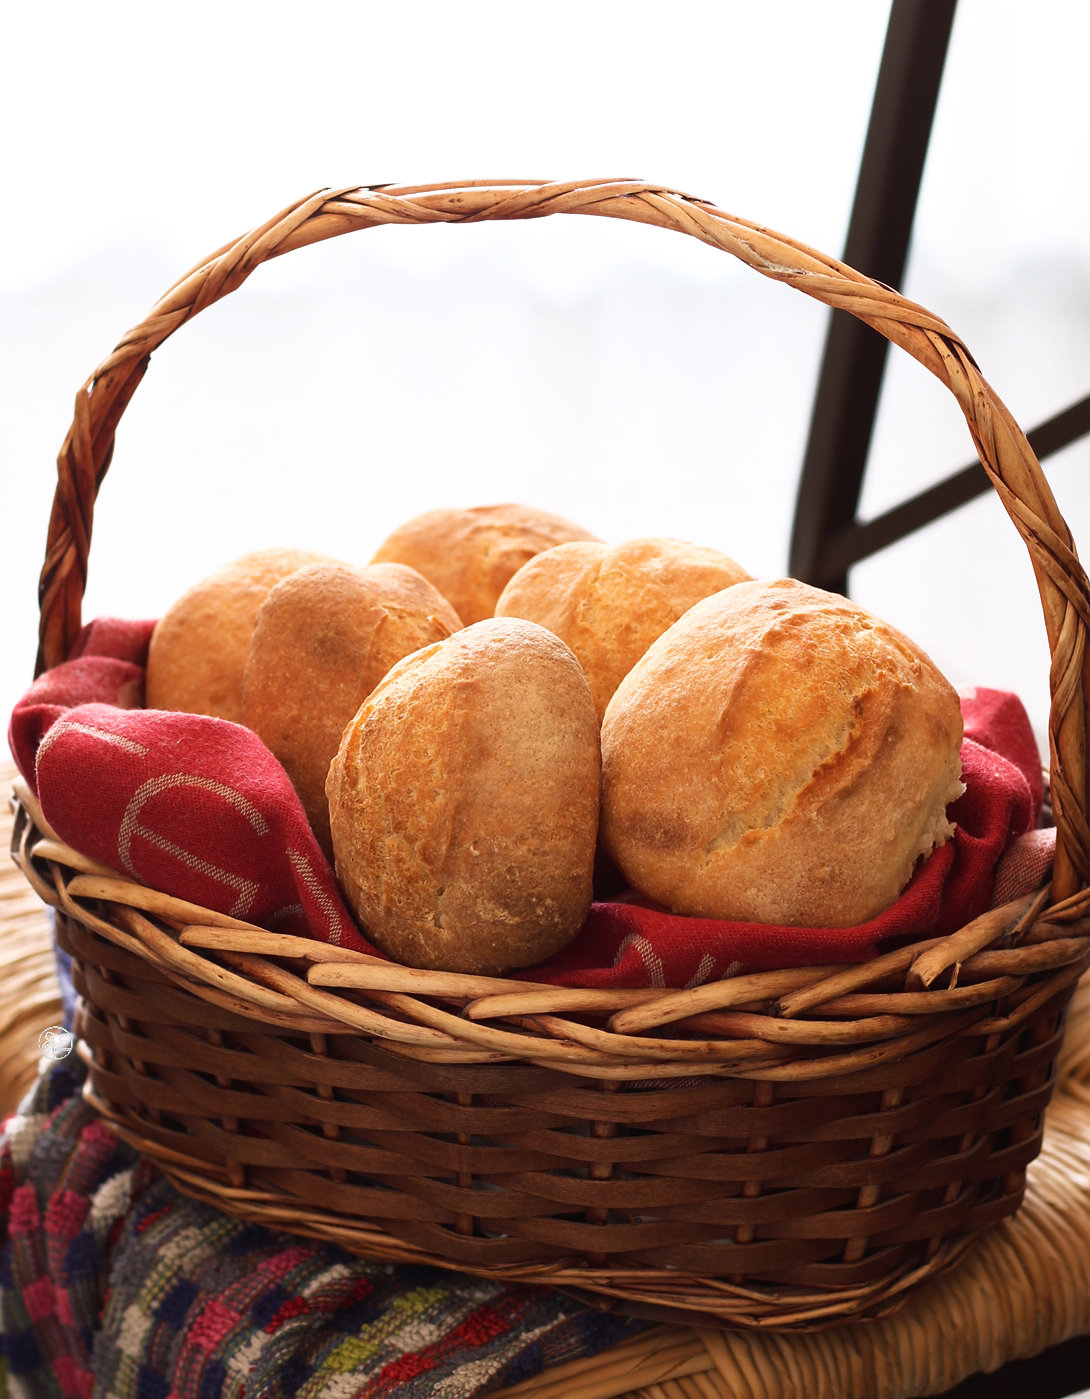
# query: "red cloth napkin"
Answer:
x=199 y=808
x=193 y=806
x=639 y=943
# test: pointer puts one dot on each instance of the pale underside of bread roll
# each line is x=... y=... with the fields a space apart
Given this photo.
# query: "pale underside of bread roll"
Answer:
x=464 y=802
x=779 y=756
x=469 y=555
x=610 y=602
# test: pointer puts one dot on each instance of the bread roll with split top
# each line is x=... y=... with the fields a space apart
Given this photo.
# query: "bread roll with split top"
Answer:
x=779 y=756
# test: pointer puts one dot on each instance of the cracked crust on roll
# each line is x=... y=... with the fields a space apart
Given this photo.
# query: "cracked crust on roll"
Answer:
x=463 y=802
x=779 y=756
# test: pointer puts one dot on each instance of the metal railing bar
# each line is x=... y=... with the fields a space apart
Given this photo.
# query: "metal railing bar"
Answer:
x=879 y=231
x=858 y=541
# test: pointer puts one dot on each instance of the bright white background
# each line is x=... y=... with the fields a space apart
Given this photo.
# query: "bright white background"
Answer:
x=630 y=379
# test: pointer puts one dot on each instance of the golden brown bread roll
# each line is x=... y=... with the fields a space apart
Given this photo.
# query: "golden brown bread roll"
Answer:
x=779 y=756
x=464 y=801
x=199 y=648
x=470 y=554
x=324 y=637
x=609 y=603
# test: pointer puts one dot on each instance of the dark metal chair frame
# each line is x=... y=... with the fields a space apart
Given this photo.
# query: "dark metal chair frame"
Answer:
x=828 y=537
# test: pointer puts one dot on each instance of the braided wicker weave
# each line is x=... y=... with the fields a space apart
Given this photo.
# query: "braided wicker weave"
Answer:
x=783 y=1150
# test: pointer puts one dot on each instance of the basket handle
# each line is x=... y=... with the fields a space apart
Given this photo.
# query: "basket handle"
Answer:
x=1001 y=445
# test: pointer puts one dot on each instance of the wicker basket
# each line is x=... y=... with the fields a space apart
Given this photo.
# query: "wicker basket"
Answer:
x=783 y=1150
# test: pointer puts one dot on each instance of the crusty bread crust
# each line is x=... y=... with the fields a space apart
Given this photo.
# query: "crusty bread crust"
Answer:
x=779 y=756
x=323 y=639
x=470 y=554
x=463 y=802
x=199 y=648
x=610 y=602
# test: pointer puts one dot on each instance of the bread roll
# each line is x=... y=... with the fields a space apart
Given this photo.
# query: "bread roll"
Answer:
x=470 y=554
x=464 y=802
x=324 y=637
x=199 y=648
x=609 y=603
x=779 y=756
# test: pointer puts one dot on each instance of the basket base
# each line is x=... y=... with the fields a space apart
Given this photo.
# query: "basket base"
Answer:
x=652 y=1294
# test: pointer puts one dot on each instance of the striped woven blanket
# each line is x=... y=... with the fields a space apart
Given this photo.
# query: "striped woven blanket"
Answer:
x=115 y=1286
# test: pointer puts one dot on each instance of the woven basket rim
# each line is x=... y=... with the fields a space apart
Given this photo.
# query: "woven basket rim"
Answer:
x=797 y=1025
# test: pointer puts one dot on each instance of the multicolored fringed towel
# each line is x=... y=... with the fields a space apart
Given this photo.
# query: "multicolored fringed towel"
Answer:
x=114 y=1286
